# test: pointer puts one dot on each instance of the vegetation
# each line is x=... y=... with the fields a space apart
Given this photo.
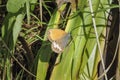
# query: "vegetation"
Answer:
x=92 y=54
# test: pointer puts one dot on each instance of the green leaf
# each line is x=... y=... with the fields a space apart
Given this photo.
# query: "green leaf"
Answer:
x=45 y=50
x=17 y=27
x=14 y=6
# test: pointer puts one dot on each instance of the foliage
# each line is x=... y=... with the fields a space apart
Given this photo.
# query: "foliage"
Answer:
x=25 y=52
